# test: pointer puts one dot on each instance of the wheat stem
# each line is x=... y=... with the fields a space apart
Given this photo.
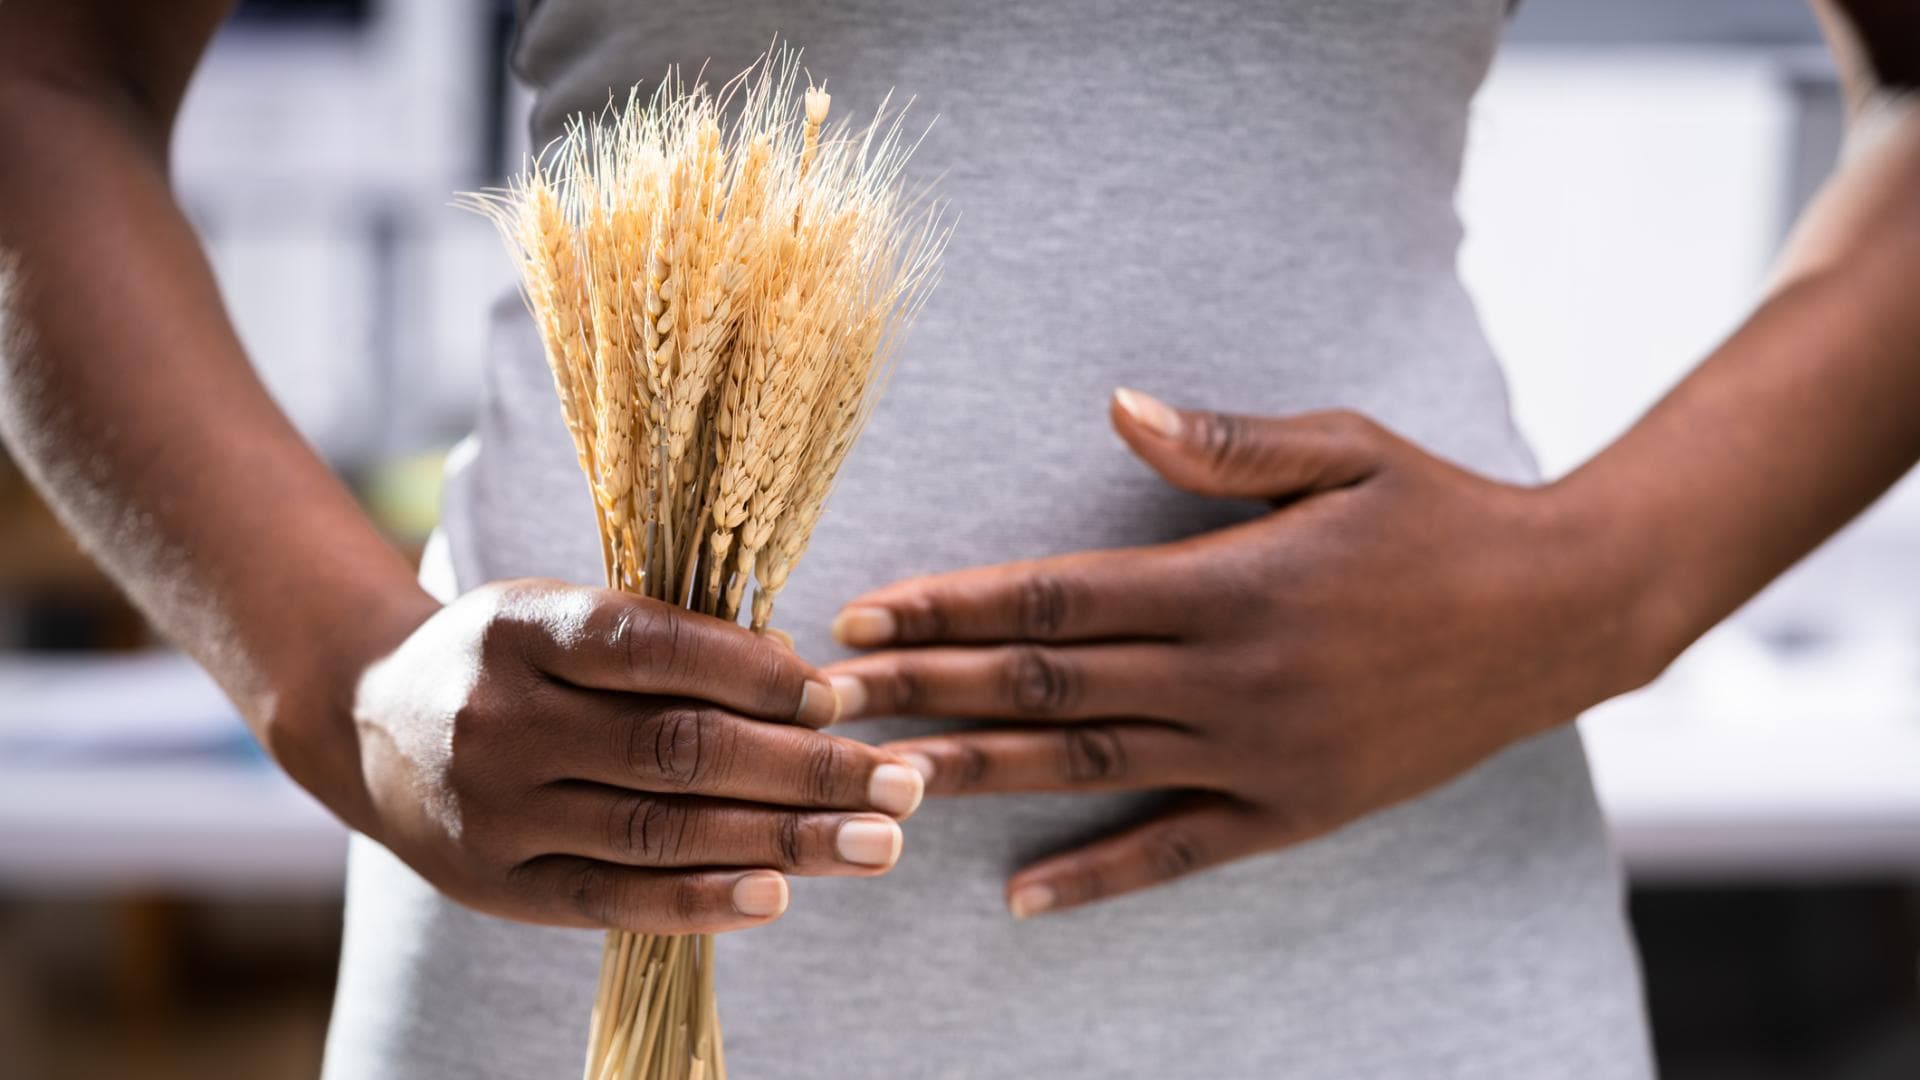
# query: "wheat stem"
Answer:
x=719 y=282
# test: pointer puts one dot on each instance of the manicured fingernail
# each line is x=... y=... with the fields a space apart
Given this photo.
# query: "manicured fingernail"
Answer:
x=864 y=627
x=868 y=842
x=760 y=895
x=1030 y=900
x=852 y=694
x=922 y=764
x=1152 y=413
x=895 y=789
x=819 y=705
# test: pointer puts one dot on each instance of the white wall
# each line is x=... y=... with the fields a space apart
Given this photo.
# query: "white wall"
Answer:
x=1622 y=209
x=1621 y=212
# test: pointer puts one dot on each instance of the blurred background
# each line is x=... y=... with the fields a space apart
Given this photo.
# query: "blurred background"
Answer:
x=169 y=906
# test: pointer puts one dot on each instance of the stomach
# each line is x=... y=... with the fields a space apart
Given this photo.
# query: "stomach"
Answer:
x=1160 y=233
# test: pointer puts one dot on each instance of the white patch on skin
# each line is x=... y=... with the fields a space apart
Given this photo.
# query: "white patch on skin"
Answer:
x=82 y=485
x=437 y=689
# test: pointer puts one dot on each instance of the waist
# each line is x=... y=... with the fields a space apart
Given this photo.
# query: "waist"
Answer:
x=992 y=442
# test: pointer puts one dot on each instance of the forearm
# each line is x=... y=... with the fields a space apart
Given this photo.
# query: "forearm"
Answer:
x=126 y=395
x=1793 y=426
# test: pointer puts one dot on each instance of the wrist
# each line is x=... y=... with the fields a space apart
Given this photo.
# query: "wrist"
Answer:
x=1617 y=595
x=309 y=726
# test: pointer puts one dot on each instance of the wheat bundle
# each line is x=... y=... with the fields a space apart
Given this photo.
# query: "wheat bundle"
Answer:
x=720 y=281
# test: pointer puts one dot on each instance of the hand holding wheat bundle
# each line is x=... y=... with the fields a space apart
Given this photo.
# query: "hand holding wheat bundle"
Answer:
x=720 y=281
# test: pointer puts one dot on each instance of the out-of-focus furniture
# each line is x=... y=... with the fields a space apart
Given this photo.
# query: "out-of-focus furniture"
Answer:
x=130 y=774
x=49 y=590
x=1740 y=770
x=1786 y=744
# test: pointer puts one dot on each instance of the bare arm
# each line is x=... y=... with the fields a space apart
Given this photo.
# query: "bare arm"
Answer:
x=127 y=397
x=1808 y=413
x=537 y=750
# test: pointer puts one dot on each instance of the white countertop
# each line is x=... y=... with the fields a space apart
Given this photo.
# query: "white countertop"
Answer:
x=1741 y=764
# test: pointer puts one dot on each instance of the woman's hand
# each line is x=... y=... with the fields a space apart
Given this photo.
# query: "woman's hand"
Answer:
x=583 y=757
x=1394 y=621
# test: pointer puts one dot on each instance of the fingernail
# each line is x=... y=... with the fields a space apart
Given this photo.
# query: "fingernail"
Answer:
x=760 y=895
x=851 y=693
x=895 y=789
x=922 y=764
x=868 y=843
x=863 y=627
x=819 y=705
x=1030 y=900
x=1152 y=413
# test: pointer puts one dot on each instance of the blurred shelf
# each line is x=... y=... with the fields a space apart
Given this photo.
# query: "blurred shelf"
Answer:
x=131 y=773
x=231 y=828
x=1757 y=806
x=1753 y=760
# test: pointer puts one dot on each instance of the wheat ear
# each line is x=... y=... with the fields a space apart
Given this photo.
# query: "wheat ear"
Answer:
x=719 y=283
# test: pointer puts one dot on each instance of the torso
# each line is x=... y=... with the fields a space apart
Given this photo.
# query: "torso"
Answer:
x=1243 y=205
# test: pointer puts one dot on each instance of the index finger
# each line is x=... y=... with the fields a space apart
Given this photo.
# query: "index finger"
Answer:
x=611 y=640
x=1124 y=593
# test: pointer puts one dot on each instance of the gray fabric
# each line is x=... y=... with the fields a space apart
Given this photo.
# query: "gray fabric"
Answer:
x=1232 y=204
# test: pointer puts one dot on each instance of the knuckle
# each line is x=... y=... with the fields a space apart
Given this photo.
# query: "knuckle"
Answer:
x=1352 y=437
x=827 y=767
x=1221 y=439
x=518 y=617
x=1039 y=681
x=906 y=690
x=521 y=878
x=487 y=839
x=965 y=768
x=924 y=618
x=638 y=634
x=623 y=637
x=681 y=747
x=1086 y=885
x=1351 y=425
x=648 y=638
x=1092 y=755
x=502 y=636
x=1044 y=603
x=472 y=767
x=648 y=830
x=472 y=724
x=789 y=843
x=495 y=825
x=584 y=889
x=772 y=675
x=1170 y=852
x=685 y=904
x=779 y=684
x=1265 y=679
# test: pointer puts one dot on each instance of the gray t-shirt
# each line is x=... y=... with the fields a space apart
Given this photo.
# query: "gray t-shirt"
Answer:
x=1234 y=204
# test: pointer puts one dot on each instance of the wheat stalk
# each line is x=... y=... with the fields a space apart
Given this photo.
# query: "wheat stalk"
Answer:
x=720 y=282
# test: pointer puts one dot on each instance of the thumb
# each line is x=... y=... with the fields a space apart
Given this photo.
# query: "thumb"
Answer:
x=1250 y=457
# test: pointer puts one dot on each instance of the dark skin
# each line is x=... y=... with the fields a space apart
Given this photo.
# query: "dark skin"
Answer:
x=537 y=750
x=1396 y=620
x=577 y=757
